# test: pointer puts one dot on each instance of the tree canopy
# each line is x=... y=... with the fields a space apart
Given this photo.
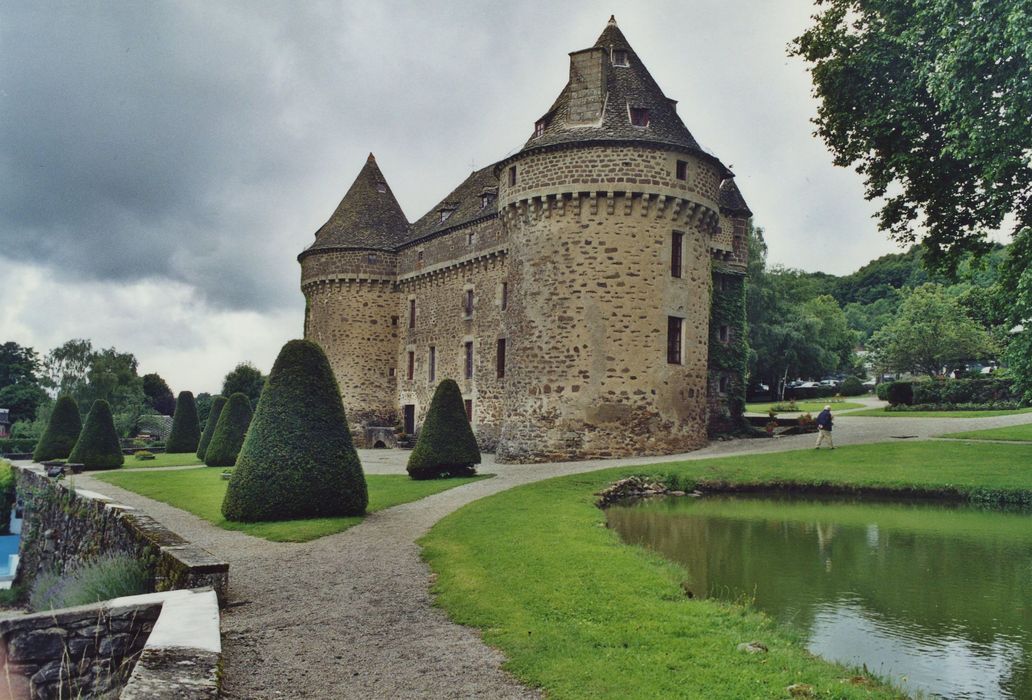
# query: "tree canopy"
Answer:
x=159 y=395
x=246 y=379
x=931 y=333
x=930 y=102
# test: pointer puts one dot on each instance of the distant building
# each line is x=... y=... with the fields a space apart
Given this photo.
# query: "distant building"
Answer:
x=587 y=292
x=5 y=422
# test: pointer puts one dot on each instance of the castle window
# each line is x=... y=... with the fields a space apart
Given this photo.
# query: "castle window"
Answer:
x=467 y=303
x=676 y=253
x=501 y=358
x=390 y=372
x=620 y=58
x=724 y=333
x=468 y=349
x=411 y=313
x=371 y=258
x=512 y=175
x=431 y=363
x=381 y=187
x=723 y=384
x=411 y=364
x=419 y=255
x=639 y=116
x=674 y=328
x=468 y=403
x=469 y=238
x=394 y=320
x=445 y=213
x=539 y=127
x=505 y=296
x=485 y=199
x=682 y=170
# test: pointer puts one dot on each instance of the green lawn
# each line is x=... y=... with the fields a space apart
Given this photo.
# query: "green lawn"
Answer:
x=1014 y=432
x=592 y=617
x=175 y=459
x=803 y=406
x=882 y=413
x=200 y=491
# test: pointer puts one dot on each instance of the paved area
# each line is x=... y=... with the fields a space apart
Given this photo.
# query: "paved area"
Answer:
x=350 y=615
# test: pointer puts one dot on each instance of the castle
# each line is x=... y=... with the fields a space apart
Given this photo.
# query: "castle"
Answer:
x=586 y=293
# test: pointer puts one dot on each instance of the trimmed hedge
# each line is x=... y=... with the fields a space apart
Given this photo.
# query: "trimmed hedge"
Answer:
x=446 y=444
x=61 y=433
x=852 y=386
x=217 y=402
x=971 y=391
x=186 y=429
x=229 y=433
x=297 y=460
x=18 y=445
x=991 y=406
x=882 y=390
x=901 y=393
x=98 y=446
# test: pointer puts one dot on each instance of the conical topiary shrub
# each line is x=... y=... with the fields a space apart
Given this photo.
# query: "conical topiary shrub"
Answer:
x=217 y=402
x=229 y=433
x=186 y=429
x=446 y=444
x=297 y=460
x=62 y=431
x=98 y=446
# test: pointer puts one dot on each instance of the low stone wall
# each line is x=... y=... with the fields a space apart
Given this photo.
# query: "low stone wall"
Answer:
x=64 y=527
x=160 y=645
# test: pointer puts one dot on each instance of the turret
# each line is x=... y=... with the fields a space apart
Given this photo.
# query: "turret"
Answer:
x=347 y=276
x=611 y=210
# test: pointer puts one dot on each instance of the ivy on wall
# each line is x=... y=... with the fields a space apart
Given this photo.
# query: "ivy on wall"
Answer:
x=729 y=357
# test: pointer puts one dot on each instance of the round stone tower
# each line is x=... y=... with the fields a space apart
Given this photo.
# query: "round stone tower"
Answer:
x=351 y=309
x=610 y=210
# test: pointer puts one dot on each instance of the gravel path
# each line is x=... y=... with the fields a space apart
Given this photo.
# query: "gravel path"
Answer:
x=350 y=615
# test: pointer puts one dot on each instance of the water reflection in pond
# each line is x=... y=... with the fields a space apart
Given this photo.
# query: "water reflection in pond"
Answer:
x=937 y=597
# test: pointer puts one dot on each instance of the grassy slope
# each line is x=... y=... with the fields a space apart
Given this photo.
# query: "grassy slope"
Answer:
x=882 y=413
x=592 y=617
x=804 y=406
x=200 y=491
x=175 y=459
x=1014 y=432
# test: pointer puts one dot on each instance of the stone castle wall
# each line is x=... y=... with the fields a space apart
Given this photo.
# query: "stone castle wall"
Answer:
x=592 y=295
x=352 y=312
x=451 y=265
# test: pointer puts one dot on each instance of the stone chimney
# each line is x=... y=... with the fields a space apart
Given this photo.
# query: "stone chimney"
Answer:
x=588 y=72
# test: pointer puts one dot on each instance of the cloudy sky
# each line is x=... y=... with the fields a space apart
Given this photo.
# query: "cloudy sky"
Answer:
x=162 y=164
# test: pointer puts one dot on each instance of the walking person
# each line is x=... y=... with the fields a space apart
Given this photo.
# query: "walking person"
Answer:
x=824 y=421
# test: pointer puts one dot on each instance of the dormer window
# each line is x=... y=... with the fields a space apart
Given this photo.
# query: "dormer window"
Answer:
x=381 y=187
x=620 y=58
x=445 y=213
x=485 y=199
x=639 y=116
x=539 y=127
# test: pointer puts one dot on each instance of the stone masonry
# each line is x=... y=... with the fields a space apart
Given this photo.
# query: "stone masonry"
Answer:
x=567 y=288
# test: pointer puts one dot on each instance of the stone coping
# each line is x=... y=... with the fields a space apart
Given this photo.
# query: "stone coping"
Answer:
x=181 y=565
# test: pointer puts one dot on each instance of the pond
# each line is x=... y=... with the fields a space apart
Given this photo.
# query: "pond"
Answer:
x=935 y=597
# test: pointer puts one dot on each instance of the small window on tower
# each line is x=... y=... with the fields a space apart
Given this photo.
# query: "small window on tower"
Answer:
x=512 y=175
x=639 y=116
x=469 y=239
x=505 y=296
x=469 y=409
x=485 y=199
x=371 y=258
x=620 y=58
x=468 y=364
x=724 y=333
x=419 y=255
x=674 y=325
x=411 y=364
x=723 y=385
x=445 y=213
x=394 y=320
x=676 y=253
x=467 y=303
x=381 y=187
x=539 y=127
x=682 y=170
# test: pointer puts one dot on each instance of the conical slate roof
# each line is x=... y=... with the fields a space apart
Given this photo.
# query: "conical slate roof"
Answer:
x=368 y=217
x=731 y=199
x=626 y=87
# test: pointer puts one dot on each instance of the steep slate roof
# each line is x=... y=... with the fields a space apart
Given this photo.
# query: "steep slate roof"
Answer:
x=466 y=204
x=630 y=86
x=368 y=217
x=731 y=198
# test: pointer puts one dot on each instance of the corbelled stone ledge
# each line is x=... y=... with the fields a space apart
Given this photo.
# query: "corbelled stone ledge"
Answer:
x=64 y=527
x=157 y=645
